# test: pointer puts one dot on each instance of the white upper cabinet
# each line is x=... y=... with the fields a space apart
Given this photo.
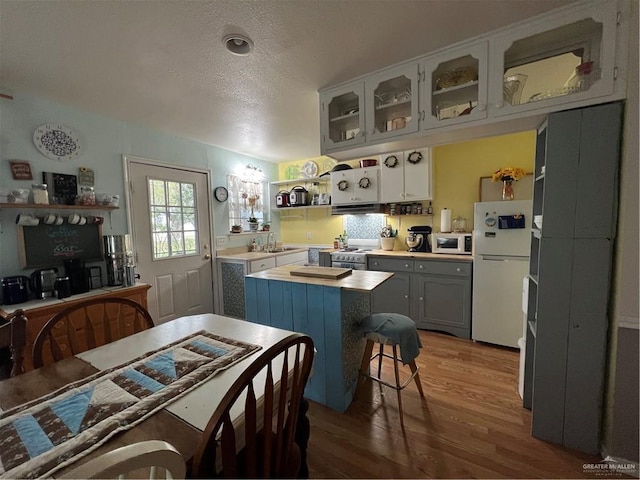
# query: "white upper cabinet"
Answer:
x=391 y=102
x=455 y=86
x=384 y=105
x=554 y=61
x=342 y=117
x=358 y=185
x=502 y=82
x=405 y=176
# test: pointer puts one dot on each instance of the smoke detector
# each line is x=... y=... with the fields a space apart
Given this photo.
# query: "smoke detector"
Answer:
x=238 y=44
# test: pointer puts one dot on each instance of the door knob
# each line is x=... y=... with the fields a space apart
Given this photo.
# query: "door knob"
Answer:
x=207 y=256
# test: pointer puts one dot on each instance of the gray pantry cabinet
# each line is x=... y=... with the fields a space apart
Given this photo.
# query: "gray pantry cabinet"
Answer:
x=435 y=293
x=575 y=191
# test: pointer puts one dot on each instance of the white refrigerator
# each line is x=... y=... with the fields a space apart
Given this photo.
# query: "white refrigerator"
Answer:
x=502 y=237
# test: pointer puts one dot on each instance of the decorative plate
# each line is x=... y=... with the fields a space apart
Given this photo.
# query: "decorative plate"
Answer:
x=309 y=169
x=57 y=142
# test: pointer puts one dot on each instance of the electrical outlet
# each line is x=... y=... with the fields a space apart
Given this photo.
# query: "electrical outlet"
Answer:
x=220 y=241
x=308 y=235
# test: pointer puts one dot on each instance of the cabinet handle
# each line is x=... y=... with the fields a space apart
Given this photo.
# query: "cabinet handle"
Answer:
x=458 y=269
x=421 y=299
x=406 y=296
x=376 y=263
x=420 y=267
x=482 y=107
x=500 y=105
x=362 y=134
x=261 y=265
x=406 y=265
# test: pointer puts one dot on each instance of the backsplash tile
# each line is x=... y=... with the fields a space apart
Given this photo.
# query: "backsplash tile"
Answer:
x=364 y=226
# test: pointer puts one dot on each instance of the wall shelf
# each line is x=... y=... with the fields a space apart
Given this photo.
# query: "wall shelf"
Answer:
x=38 y=206
x=326 y=178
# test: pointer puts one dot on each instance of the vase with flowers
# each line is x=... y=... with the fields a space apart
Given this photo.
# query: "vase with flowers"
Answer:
x=508 y=175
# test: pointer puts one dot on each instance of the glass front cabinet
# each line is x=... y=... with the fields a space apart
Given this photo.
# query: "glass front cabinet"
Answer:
x=342 y=117
x=560 y=60
x=378 y=107
x=455 y=86
x=392 y=102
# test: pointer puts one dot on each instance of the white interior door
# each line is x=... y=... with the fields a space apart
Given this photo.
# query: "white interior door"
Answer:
x=170 y=223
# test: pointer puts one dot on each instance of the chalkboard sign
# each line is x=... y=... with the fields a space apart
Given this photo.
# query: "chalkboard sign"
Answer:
x=49 y=245
x=62 y=188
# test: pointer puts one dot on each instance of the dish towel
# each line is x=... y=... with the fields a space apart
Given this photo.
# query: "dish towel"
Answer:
x=398 y=328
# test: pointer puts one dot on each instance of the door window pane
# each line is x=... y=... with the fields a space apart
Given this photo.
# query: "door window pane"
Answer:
x=173 y=218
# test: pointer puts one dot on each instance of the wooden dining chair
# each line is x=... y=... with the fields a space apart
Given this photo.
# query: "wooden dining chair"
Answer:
x=273 y=385
x=13 y=336
x=152 y=456
x=88 y=325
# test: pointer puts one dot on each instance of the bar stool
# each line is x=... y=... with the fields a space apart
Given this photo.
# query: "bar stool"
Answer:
x=395 y=330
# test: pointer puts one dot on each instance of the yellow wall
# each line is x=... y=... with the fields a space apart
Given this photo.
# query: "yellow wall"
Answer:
x=457 y=169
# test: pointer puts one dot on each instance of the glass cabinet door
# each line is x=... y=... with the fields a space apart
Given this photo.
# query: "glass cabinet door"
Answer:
x=564 y=59
x=392 y=102
x=455 y=86
x=342 y=116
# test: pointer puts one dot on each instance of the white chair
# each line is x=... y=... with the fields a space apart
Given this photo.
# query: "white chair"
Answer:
x=117 y=463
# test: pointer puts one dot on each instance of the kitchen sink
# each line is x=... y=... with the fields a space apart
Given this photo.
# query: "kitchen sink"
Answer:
x=281 y=249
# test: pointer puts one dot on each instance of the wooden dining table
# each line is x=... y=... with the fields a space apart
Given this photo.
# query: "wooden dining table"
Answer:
x=181 y=422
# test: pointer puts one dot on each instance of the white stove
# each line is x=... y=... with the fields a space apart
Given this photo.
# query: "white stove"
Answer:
x=354 y=256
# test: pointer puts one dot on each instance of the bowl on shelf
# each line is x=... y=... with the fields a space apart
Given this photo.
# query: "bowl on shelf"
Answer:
x=537 y=221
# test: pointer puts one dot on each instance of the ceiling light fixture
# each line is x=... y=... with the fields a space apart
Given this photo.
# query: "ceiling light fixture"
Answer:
x=238 y=44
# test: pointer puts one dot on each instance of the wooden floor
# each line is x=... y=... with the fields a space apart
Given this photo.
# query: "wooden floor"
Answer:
x=471 y=424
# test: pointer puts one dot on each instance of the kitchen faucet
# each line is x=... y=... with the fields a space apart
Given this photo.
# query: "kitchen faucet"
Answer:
x=270 y=236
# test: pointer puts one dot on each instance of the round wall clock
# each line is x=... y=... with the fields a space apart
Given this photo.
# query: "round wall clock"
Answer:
x=57 y=142
x=221 y=194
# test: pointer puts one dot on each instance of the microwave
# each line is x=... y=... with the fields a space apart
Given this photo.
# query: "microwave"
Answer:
x=453 y=243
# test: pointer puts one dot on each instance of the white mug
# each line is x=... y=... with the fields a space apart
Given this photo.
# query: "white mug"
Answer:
x=73 y=218
x=82 y=221
x=49 y=218
x=59 y=220
x=27 y=220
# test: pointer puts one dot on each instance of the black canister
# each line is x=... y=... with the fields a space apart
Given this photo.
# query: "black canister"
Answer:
x=63 y=287
x=78 y=275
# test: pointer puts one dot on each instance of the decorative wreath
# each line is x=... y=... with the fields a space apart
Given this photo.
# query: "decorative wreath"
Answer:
x=364 y=182
x=415 y=157
x=343 y=185
x=391 y=161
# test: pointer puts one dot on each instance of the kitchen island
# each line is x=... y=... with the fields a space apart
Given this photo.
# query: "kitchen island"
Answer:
x=327 y=310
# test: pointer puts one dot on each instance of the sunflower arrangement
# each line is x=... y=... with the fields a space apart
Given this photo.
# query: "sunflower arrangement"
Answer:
x=508 y=173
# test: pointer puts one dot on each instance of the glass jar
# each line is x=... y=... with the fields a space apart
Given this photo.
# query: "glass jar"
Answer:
x=87 y=196
x=40 y=194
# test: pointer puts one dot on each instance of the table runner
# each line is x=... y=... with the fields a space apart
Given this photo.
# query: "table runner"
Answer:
x=43 y=435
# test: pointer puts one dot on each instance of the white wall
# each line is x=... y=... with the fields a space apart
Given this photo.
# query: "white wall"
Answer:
x=103 y=141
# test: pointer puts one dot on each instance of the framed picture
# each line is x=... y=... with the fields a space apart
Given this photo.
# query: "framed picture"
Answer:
x=21 y=170
x=490 y=191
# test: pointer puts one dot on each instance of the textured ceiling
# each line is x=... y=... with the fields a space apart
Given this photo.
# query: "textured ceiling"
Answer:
x=162 y=63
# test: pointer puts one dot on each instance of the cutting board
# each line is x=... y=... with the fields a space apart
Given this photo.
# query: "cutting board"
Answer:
x=322 y=272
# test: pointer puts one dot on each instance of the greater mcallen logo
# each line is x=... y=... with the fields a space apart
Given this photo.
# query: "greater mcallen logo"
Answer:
x=610 y=466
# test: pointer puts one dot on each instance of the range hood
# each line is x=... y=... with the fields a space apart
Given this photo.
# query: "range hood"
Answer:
x=357 y=208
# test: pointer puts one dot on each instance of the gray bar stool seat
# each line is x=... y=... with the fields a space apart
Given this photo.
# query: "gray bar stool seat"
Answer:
x=397 y=331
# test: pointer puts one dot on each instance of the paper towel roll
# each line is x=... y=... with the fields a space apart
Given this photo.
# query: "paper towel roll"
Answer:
x=445 y=220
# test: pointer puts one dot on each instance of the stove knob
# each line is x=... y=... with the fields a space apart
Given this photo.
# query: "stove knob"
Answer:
x=353 y=259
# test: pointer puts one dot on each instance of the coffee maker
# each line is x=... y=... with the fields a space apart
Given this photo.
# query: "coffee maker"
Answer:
x=78 y=275
x=418 y=238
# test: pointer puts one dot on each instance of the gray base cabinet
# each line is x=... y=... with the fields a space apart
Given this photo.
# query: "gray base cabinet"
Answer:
x=436 y=294
x=570 y=274
x=393 y=295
